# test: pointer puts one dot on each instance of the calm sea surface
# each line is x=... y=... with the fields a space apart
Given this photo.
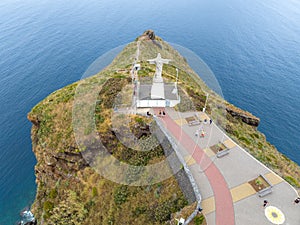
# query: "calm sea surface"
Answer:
x=252 y=46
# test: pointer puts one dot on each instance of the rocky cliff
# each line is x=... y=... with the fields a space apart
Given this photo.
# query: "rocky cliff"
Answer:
x=246 y=117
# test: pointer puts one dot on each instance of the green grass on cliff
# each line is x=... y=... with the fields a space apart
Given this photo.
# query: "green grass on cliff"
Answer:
x=70 y=192
x=67 y=187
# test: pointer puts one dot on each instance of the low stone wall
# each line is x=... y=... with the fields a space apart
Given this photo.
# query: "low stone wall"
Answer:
x=184 y=176
x=175 y=163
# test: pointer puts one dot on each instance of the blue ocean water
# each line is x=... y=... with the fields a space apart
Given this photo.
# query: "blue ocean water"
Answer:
x=252 y=46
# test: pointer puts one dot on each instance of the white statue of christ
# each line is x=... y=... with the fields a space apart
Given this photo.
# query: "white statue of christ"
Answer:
x=159 y=61
x=157 y=89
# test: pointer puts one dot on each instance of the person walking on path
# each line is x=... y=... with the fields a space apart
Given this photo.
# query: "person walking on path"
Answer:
x=210 y=121
x=265 y=203
x=197 y=133
x=297 y=200
x=202 y=133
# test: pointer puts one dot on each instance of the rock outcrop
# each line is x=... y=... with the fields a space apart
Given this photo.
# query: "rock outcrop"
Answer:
x=245 y=116
x=33 y=119
x=148 y=35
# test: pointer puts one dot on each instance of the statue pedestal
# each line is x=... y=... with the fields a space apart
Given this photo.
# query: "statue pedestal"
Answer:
x=158 y=91
x=158 y=80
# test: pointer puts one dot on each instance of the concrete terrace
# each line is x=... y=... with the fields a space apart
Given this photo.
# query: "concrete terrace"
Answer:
x=227 y=197
x=145 y=92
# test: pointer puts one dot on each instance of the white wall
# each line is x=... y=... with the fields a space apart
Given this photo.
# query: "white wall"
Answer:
x=155 y=103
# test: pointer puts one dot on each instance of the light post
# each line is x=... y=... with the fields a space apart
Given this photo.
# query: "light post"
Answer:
x=205 y=102
x=175 y=91
x=176 y=77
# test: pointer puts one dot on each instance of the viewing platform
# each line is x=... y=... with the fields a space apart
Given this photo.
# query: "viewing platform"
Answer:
x=228 y=195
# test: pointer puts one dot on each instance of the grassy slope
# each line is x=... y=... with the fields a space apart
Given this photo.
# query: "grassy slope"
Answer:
x=68 y=187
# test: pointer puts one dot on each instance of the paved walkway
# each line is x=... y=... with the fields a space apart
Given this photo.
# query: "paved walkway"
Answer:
x=228 y=198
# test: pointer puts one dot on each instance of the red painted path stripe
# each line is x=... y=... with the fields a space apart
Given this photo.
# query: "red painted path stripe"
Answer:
x=223 y=199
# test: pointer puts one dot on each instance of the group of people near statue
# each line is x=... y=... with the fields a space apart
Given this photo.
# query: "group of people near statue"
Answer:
x=161 y=113
x=200 y=131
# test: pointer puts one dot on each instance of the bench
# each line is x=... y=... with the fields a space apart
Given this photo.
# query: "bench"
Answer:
x=265 y=191
x=222 y=153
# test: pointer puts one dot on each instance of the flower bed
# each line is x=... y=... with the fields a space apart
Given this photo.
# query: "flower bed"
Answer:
x=219 y=149
x=261 y=185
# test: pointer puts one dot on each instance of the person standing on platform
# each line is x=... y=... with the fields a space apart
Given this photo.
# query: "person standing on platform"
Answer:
x=265 y=203
x=297 y=200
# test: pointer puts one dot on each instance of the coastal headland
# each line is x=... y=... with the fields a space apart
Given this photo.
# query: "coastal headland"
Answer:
x=73 y=190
